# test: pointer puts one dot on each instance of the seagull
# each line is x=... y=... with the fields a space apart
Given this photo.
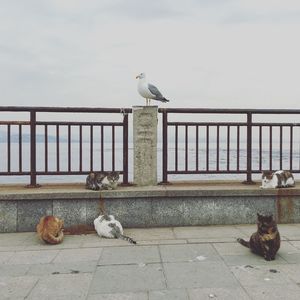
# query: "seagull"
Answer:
x=149 y=91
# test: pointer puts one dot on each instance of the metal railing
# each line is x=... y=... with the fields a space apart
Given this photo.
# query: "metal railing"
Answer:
x=245 y=147
x=99 y=132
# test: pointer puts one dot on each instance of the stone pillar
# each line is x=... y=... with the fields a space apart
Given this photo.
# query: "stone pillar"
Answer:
x=145 y=145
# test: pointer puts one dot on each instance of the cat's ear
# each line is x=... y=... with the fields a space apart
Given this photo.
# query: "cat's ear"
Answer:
x=259 y=216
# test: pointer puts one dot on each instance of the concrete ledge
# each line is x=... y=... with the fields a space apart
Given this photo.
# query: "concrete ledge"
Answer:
x=181 y=204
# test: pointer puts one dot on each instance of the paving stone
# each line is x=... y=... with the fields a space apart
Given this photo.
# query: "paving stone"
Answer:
x=251 y=275
x=207 y=232
x=69 y=241
x=271 y=292
x=76 y=255
x=63 y=268
x=127 y=278
x=289 y=229
x=212 y=240
x=287 y=247
x=118 y=296
x=231 y=249
x=251 y=259
x=104 y=242
x=16 y=287
x=5 y=256
x=14 y=239
x=56 y=297
x=193 y=275
x=63 y=286
x=190 y=252
x=223 y=268
x=13 y=270
x=292 y=258
x=33 y=257
x=144 y=234
x=169 y=295
x=162 y=242
x=247 y=230
x=291 y=270
x=235 y=293
x=296 y=244
x=129 y=255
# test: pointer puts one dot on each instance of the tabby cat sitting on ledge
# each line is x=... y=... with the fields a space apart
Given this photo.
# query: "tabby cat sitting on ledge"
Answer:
x=102 y=180
x=266 y=240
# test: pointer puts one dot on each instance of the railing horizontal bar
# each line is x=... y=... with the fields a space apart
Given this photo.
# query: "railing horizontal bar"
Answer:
x=66 y=109
x=229 y=124
x=14 y=123
x=220 y=172
x=228 y=111
x=80 y=123
x=276 y=124
x=206 y=123
x=12 y=173
x=208 y=172
x=69 y=173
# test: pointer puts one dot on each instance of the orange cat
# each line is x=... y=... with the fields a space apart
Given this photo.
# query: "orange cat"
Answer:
x=50 y=229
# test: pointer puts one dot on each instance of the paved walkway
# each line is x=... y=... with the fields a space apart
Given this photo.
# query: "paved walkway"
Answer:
x=168 y=263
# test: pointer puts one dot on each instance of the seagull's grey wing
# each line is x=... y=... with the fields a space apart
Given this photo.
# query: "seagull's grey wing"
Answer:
x=153 y=89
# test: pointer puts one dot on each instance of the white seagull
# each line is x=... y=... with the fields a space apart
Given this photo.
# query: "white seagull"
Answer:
x=149 y=91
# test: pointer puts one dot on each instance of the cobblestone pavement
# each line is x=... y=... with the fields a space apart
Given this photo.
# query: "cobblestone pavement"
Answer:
x=203 y=262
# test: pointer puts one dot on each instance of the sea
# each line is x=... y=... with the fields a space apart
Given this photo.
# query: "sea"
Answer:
x=202 y=160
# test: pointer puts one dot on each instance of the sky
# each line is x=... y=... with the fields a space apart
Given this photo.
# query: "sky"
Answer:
x=199 y=53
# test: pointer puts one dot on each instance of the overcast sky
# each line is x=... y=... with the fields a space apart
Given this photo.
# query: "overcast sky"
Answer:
x=199 y=53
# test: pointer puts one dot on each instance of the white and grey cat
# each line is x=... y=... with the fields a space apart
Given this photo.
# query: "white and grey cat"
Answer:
x=107 y=226
x=102 y=180
x=277 y=179
x=110 y=182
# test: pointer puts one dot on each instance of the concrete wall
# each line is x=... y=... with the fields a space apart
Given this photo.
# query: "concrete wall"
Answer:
x=148 y=208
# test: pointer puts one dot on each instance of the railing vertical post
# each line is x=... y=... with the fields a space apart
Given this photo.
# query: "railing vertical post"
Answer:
x=33 y=183
x=249 y=149
x=125 y=149
x=165 y=147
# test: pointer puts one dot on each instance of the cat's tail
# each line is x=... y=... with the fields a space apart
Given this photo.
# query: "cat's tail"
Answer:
x=119 y=235
x=243 y=242
x=127 y=238
x=51 y=239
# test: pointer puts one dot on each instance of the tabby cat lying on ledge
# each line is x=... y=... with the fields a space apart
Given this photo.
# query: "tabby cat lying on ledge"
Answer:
x=266 y=240
x=278 y=179
x=50 y=230
x=102 y=181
